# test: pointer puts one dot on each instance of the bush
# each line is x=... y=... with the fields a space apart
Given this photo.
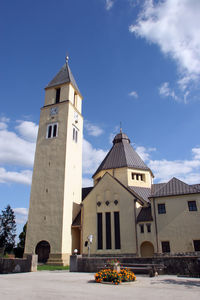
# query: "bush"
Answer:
x=109 y=275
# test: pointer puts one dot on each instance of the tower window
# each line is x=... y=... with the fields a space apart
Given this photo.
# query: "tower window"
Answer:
x=52 y=131
x=75 y=134
x=161 y=208
x=75 y=99
x=57 y=95
x=192 y=205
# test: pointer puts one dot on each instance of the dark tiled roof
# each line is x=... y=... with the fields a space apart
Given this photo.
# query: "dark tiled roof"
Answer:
x=86 y=191
x=145 y=215
x=196 y=186
x=173 y=187
x=64 y=76
x=144 y=193
x=156 y=187
x=121 y=155
x=77 y=220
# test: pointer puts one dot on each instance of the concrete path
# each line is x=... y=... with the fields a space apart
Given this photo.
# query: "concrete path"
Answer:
x=64 y=285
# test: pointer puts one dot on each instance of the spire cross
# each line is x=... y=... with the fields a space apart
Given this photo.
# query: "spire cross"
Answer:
x=120 y=127
x=66 y=58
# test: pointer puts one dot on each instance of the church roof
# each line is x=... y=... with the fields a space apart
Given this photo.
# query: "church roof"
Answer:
x=144 y=193
x=145 y=215
x=121 y=155
x=174 y=187
x=64 y=76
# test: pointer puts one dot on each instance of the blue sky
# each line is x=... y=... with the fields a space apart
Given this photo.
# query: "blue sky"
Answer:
x=135 y=62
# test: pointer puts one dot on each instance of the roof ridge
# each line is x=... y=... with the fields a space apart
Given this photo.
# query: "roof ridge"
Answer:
x=174 y=187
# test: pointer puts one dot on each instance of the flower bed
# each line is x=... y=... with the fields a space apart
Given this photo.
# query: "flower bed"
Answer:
x=109 y=275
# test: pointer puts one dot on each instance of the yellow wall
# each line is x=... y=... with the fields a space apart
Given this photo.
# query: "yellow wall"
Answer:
x=179 y=226
x=57 y=179
x=66 y=93
x=109 y=189
x=124 y=175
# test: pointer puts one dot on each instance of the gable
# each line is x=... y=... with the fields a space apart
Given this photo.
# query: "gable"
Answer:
x=111 y=188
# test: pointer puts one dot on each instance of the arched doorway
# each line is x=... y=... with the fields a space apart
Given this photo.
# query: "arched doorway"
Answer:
x=42 y=250
x=147 y=249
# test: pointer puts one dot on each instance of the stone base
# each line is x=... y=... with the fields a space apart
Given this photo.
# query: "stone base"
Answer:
x=59 y=259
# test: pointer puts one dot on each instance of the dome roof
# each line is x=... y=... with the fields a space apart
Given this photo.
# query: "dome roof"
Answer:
x=122 y=155
x=119 y=137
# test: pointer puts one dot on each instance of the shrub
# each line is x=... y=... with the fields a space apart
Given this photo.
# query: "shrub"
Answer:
x=109 y=275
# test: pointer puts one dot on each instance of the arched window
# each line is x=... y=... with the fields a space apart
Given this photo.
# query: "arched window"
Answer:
x=52 y=130
x=75 y=134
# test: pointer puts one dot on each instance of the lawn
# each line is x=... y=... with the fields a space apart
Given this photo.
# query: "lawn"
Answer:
x=51 y=268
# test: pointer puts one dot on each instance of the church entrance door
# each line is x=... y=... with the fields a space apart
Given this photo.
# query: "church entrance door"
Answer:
x=146 y=249
x=42 y=250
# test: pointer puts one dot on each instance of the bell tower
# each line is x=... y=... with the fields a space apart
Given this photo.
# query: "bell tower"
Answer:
x=57 y=174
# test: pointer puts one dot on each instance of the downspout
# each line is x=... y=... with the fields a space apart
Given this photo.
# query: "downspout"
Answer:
x=155 y=224
x=136 y=235
x=81 y=229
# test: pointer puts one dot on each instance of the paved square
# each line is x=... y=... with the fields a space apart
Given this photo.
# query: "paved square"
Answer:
x=65 y=285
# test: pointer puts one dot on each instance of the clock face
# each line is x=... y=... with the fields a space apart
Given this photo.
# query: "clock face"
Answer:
x=76 y=116
x=53 y=111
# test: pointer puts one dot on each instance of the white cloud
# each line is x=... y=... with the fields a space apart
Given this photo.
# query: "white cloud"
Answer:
x=185 y=170
x=196 y=153
x=92 y=129
x=18 y=151
x=91 y=157
x=22 y=177
x=144 y=152
x=86 y=182
x=14 y=150
x=109 y=4
x=165 y=169
x=166 y=91
x=133 y=94
x=21 y=215
x=4 y=119
x=174 y=26
x=28 y=130
x=3 y=126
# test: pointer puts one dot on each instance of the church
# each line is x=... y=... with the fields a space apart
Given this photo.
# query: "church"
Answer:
x=123 y=214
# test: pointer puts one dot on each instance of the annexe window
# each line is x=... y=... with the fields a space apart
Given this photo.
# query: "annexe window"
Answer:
x=117 y=230
x=161 y=208
x=52 y=130
x=165 y=247
x=99 y=231
x=148 y=227
x=192 y=205
x=141 y=228
x=196 y=245
x=58 y=95
x=108 y=231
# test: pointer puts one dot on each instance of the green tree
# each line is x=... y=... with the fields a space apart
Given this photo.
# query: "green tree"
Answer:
x=22 y=237
x=7 y=229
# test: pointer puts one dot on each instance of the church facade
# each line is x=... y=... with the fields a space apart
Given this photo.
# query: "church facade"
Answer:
x=124 y=211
